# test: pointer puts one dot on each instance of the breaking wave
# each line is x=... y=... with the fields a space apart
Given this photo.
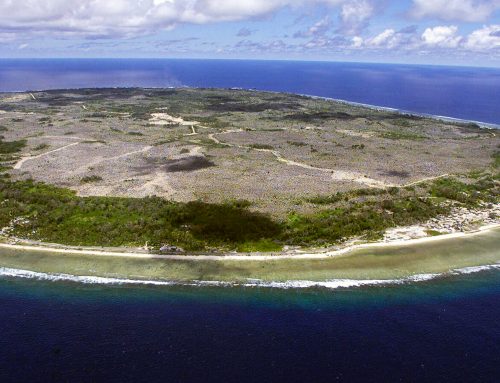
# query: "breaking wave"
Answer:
x=292 y=284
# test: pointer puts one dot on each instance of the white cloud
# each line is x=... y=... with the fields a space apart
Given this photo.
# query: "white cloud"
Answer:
x=355 y=16
x=385 y=38
x=464 y=10
x=389 y=39
x=441 y=36
x=485 y=38
x=436 y=40
x=105 y=18
x=318 y=29
x=357 y=42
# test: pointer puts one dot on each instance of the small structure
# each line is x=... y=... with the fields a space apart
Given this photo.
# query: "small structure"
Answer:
x=169 y=249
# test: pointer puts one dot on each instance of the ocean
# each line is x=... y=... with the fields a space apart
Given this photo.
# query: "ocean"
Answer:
x=446 y=329
x=457 y=92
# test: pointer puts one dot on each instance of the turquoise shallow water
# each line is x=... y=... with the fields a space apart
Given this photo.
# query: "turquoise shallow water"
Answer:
x=446 y=329
x=370 y=266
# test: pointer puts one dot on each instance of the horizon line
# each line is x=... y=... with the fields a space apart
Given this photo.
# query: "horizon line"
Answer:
x=254 y=59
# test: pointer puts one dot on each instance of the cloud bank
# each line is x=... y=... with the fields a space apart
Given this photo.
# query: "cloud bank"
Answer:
x=109 y=18
x=439 y=37
x=326 y=28
x=463 y=10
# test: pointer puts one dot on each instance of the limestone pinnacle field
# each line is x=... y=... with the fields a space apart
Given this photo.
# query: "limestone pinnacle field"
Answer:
x=282 y=156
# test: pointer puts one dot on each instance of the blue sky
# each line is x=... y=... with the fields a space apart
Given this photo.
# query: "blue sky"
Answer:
x=461 y=32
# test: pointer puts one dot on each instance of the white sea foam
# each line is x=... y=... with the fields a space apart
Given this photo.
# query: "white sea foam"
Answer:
x=340 y=283
x=476 y=269
x=291 y=284
x=19 y=273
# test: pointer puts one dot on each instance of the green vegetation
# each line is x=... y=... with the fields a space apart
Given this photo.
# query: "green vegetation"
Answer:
x=41 y=147
x=401 y=122
x=476 y=174
x=469 y=194
x=318 y=132
x=402 y=136
x=98 y=115
x=496 y=160
x=163 y=142
x=58 y=215
x=346 y=196
x=3 y=128
x=9 y=147
x=352 y=217
x=392 y=262
x=484 y=189
x=88 y=179
x=211 y=121
x=433 y=233
x=358 y=146
x=296 y=143
x=261 y=146
x=264 y=245
x=367 y=220
x=470 y=125
x=93 y=142
x=320 y=115
x=231 y=105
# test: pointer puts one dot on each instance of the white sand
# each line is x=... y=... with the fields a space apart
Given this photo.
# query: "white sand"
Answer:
x=166 y=119
x=244 y=257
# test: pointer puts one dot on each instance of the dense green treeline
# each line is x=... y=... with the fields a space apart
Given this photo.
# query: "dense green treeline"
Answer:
x=369 y=219
x=48 y=213
x=58 y=215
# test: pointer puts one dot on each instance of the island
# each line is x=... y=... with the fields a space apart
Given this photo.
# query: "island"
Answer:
x=240 y=185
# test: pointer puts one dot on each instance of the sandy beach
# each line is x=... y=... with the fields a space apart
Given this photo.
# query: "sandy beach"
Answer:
x=317 y=254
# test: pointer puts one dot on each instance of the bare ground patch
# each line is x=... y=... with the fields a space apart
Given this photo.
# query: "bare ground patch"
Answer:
x=218 y=145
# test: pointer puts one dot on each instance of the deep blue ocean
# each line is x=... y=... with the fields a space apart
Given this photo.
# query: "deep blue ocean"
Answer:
x=458 y=92
x=445 y=330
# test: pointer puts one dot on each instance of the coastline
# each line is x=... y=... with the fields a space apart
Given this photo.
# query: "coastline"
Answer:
x=482 y=124
x=298 y=255
x=361 y=265
x=439 y=245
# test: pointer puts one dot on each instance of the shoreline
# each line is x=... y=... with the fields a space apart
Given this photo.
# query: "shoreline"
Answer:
x=305 y=255
x=451 y=233
x=482 y=124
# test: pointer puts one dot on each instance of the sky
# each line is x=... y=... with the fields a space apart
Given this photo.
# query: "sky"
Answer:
x=449 y=32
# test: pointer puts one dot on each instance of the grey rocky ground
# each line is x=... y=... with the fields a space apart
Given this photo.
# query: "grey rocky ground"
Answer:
x=217 y=145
